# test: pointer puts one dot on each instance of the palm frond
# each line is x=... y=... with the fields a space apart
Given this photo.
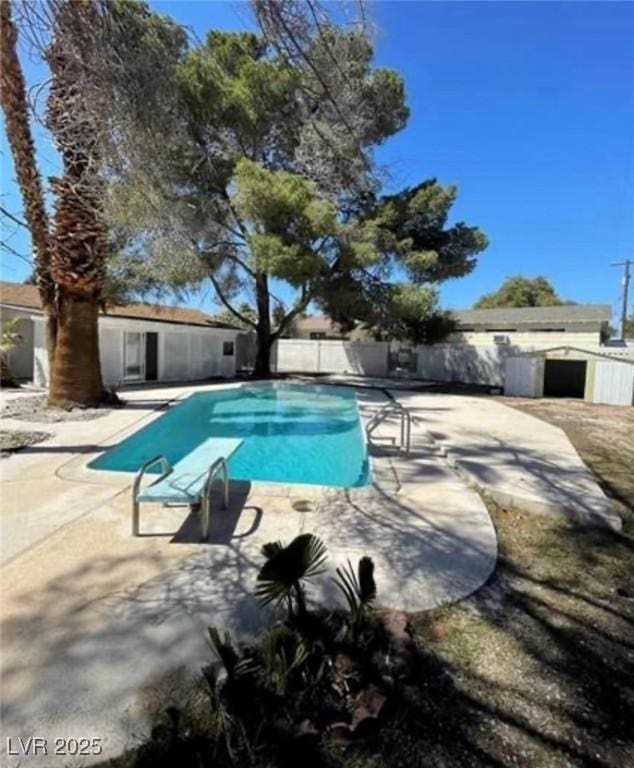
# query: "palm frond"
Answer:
x=224 y=649
x=283 y=653
x=358 y=587
x=287 y=567
x=348 y=584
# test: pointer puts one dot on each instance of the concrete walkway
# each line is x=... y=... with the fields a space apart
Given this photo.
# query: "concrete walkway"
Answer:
x=515 y=458
x=91 y=616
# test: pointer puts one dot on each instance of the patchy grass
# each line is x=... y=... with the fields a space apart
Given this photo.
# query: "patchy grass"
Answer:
x=543 y=656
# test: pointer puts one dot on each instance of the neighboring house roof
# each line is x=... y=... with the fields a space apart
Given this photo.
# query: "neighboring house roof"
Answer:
x=564 y=313
x=23 y=296
x=317 y=324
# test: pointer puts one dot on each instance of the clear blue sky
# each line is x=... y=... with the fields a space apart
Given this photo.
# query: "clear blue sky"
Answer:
x=528 y=107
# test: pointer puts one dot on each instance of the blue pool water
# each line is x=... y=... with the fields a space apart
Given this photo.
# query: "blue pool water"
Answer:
x=292 y=434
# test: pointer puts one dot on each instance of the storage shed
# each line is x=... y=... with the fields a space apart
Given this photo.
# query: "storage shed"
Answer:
x=596 y=377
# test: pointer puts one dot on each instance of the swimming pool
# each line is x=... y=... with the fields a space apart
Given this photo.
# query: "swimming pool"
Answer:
x=292 y=434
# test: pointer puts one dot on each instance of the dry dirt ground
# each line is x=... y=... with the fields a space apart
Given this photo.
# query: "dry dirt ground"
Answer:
x=537 y=668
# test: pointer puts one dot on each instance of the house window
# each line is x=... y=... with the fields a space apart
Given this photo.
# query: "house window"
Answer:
x=227 y=349
x=133 y=355
x=317 y=335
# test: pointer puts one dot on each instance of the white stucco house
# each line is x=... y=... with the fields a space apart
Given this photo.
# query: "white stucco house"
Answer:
x=138 y=342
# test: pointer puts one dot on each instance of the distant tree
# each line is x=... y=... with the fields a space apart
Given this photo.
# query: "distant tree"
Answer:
x=245 y=310
x=521 y=291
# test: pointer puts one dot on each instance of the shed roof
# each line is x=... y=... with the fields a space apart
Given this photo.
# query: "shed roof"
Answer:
x=615 y=358
x=24 y=296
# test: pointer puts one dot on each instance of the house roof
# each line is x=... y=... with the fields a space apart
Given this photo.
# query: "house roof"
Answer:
x=570 y=313
x=317 y=323
x=23 y=296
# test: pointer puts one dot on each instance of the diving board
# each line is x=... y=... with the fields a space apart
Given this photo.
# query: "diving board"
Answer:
x=188 y=482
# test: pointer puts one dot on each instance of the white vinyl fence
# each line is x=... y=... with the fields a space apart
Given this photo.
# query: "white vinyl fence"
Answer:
x=330 y=356
x=465 y=363
x=441 y=362
x=614 y=382
x=461 y=363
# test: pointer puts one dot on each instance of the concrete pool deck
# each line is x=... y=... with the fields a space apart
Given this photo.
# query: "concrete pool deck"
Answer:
x=91 y=615
x=513 y=457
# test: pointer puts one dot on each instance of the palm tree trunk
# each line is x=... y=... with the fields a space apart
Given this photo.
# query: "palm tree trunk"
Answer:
x=77 y=371
x=16 y=114
x=79 y=245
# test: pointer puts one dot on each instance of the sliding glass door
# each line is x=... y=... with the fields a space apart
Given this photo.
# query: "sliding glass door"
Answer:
x=134 y=357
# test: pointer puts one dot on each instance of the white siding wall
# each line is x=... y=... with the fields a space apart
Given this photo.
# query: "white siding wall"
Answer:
x=185 y=353
x=213 y=352
x=175 y=365
x=613 y=383
x=40 y=355
x=330 y=356
x=20 y=358
x=111 y=355
x=532 y=339
x=196 y=359
x=520 y=378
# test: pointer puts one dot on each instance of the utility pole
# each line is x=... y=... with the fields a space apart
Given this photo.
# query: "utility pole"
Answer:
x=625 y=289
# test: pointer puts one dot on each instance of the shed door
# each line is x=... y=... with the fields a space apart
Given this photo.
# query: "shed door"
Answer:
x=565 y=378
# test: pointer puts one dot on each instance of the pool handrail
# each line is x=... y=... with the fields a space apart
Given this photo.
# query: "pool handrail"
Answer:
x=166 y=468
x=393 y=406
x=205 y=494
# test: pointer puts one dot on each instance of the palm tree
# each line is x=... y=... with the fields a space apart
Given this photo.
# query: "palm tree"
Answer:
x=16 y=117
x=75 y=116
x=69 y=261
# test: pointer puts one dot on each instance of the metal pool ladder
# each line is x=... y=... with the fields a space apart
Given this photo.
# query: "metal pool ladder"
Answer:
x=406 y=423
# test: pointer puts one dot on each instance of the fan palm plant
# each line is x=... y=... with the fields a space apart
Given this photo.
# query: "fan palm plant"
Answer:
x=283 y=654
x=359 y=588
x=287 y=568
x=9 y=339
